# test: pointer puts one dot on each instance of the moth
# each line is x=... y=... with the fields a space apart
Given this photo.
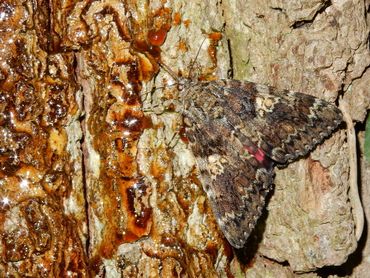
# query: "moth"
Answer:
x=238 y=131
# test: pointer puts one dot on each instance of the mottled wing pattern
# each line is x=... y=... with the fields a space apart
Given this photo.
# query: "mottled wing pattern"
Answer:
x=284 y=124
x=236 y=183
x=237 y=130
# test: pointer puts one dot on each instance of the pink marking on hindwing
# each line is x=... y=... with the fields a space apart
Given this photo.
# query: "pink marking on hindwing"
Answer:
x=259 y=155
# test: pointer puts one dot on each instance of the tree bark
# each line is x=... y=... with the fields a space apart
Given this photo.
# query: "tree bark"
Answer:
x=127 y=199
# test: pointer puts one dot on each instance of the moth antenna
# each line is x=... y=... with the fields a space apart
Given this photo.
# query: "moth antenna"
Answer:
x=200 y=46
x=175 y=138
x=151 y=109
x=145 y=94
x=171 y=72
x=196 y=56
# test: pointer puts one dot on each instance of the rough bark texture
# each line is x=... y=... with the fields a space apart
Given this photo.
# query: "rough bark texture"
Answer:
x=147 y=214
x=42 y=208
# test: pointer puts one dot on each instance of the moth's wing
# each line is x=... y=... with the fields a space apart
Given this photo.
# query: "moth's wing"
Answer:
x=235 y=182
x=237 y=128
x=284 y=124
